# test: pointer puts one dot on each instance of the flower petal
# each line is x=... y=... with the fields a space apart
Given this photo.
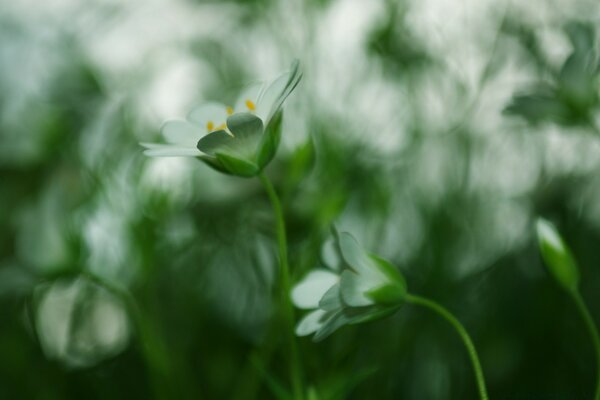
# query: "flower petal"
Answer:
x=353 y=254
x=353 y=289
x=248 y=98
x=169 y=150
x=309 y=291
x=276 y=93
x=311 y=323
x=212 y=113
x=181 y=132
x=214 y=142
x=271 y=94
x=330 y=255
x=331 y=299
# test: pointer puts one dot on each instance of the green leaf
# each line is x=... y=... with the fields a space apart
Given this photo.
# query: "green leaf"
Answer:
x=582 y=36
x=270 y=141
x=577 y=82
x=237 y=166
x=557 y=255
x=538 y=106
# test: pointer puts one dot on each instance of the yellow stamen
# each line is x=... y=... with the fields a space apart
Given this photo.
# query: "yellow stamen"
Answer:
x=210 y=126
x=229 y=110
x=220 y=127
x=251 y=106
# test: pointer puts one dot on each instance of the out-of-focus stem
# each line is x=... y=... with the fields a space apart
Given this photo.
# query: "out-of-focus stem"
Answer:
x=288 y=308
x=593 y=332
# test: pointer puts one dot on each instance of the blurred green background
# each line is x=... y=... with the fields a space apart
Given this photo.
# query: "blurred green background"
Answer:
x=435 y=131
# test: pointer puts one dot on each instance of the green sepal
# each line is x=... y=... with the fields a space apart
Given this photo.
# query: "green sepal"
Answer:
x=557 y=256
x=389 y=270
x=387 y=294
x=214 y=142
x=237 y=166
x=213 y=163
x=245 y=125
x=371 y=313
x=393 y=292
x=270 y=141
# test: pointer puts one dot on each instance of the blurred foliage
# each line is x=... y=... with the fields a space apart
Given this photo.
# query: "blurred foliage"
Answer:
x=573 y=97
x=128 y=277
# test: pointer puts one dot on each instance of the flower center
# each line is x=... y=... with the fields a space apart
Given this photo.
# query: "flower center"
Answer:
x=210 y=126
x=250 y=104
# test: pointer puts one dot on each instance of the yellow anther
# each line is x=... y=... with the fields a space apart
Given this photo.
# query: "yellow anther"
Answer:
x=220 y=127
x=229 y=110
x=210 y=126
x=251 y=106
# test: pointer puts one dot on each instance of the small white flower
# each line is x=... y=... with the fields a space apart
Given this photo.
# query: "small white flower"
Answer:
x=80 y=323
x=365 y=288
x=240 y=140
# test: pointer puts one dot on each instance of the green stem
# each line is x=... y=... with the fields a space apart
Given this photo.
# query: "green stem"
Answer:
x=288 y=308
x=151 y=345
x=463 y=335
x=593 y=331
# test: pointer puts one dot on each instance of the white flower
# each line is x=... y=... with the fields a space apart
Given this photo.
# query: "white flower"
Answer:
x=365 y=288
x=80 y=323
x=239 y=140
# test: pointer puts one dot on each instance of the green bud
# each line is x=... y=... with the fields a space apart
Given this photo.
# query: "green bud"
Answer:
x=557 y=255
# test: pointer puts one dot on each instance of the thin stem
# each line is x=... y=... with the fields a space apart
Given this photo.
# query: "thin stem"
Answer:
x=151 y=345
x=288 y=308
x=593 y=331
x=418 y=300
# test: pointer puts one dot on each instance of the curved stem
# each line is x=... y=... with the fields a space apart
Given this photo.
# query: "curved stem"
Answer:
x=593 y=331
x=284 y=272
x=421 y=301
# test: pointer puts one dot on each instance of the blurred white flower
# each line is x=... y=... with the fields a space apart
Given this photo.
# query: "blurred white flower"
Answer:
x=80 y=323
x=364 y=288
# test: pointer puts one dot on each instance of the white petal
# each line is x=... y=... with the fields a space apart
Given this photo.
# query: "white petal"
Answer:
x=331 y=299
x=166 y=150
x=309 y=291
x=311 y=323
x=330 y=255
x=251 y=93
x=270 y=96
x=353 y=287
x=182 y=133
x=152 y=145
x=213 y=112
x=354 y=254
